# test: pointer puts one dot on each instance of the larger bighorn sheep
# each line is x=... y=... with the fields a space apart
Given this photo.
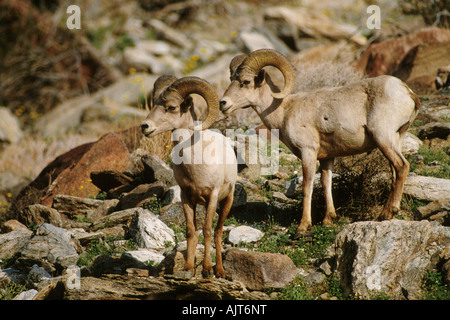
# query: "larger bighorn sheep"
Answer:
x=326 y=123
x=206 y=182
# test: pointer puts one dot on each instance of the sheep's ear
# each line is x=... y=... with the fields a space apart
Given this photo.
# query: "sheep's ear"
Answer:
x=187 y=104
x=260 y=78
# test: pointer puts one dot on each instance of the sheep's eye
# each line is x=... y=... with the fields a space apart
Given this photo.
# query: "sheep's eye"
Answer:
x=170 y=108
x=245 y=83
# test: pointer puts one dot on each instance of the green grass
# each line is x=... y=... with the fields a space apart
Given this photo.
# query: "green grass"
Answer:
x=10 y=289
x=104 y=247
x=434 y=287
x=432 y=162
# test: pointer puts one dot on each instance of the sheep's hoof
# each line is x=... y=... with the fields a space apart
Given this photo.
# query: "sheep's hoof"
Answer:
x=300 y=234
x=207 y=274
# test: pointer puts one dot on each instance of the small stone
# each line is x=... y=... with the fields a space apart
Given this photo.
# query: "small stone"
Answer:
x=37 y=274
x=26 y=295
x=137 y=272
x=325 y=268
x=244 y=234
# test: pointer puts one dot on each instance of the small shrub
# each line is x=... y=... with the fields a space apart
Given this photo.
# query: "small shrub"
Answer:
x=296 y=290
x=10 y=289
x=434 y=287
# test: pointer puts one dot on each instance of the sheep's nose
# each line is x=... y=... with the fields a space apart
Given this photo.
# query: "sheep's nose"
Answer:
x=223 y=103
x=144 y=127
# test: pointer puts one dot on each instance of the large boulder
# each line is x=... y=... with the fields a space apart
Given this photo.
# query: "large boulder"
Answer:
x=385 y=57
x=388 y=257
x=259 y=270
x=69 y=173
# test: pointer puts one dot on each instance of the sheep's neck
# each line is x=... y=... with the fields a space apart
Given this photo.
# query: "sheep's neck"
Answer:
x=269 y=109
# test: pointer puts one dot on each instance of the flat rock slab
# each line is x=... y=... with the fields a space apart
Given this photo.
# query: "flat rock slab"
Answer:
x=125 y=287
x=427 y=188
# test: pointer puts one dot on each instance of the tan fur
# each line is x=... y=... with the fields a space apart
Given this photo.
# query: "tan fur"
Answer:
x=332 y=122
x=205 y=183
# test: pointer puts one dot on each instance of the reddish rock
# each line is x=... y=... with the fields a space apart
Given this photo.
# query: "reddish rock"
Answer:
x=69 y=173
x=420 y=66
x=385 y=57
x=107 y=153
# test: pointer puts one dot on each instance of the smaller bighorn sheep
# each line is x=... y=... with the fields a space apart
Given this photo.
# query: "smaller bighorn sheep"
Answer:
x=206 y=182
x=325 y=123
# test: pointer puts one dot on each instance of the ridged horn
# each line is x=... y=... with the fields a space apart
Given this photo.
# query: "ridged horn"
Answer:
x=235 y=63
x=189 y=85
x=161 y=84
x=268 y=57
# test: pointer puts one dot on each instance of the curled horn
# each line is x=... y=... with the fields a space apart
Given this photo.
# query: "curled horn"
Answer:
x=160 y=85
x=189 y=85
x=268 y=57
x=235 y=63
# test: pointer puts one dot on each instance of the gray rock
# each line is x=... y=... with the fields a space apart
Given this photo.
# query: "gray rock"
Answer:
x=157 y=170
x=13 y=275
x=244 y=234
x=314 y=278
x=427 y=188
x=411 y=144
x=54 y=246
x=26 y=295
x=12 y=241
x=143 y=257
x=37 y=274
x=389 y=256
x=239 y=196
x=252 y=40
x=150 y=232
x=173 y=195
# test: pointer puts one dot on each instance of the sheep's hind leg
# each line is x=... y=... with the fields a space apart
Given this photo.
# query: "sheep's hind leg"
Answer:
x=309 y=168
x=326 y=167
x=226 y=206
x=400 y=168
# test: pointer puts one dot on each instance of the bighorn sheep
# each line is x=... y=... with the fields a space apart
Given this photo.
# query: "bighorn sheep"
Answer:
x=326 y=123
x=210 y=180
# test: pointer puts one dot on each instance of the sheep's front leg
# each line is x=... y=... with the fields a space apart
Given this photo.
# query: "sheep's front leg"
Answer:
x=309 y=159
x=326 y=167
x=207 y=232
x=191 y=232
x=226 y=206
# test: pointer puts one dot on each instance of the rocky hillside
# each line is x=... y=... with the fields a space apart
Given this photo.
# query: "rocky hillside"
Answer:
x=89 y=208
